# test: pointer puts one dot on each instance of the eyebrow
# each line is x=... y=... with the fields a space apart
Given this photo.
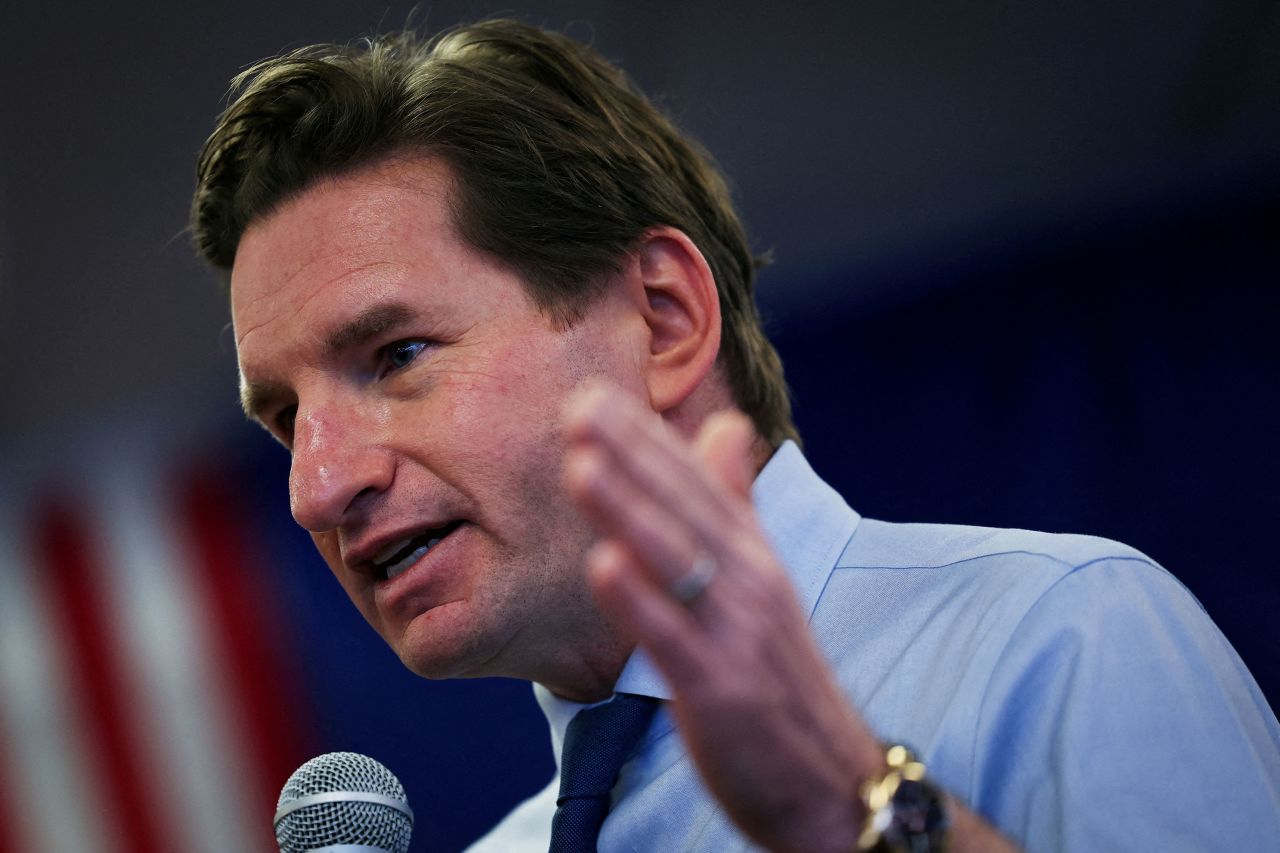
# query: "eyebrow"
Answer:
x=368 y=324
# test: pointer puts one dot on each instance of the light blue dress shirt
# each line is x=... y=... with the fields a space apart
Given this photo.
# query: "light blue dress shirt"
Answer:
x=1066 y=688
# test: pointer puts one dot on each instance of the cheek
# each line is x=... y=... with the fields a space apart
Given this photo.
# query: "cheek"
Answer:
x=517 y=390
x=509 y=428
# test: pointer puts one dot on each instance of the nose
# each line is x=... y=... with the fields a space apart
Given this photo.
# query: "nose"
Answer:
x=337 y=464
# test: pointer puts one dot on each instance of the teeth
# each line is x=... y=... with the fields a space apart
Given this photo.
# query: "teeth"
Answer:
x=414 y=556
x=397 y=557
x=402 y=565
x=391 y=550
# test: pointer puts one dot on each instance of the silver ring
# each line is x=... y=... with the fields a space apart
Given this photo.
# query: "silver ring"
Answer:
x=694 y=582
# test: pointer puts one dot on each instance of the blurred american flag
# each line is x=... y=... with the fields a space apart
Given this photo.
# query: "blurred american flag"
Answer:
x=145 y=704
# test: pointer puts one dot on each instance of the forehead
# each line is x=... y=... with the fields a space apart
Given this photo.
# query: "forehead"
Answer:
x=392 y=213
x=380 y=234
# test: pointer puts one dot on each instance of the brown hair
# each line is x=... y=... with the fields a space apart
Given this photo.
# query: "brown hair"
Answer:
x=560 y=164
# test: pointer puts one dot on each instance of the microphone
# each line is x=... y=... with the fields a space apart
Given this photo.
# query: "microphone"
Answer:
x=343 y=802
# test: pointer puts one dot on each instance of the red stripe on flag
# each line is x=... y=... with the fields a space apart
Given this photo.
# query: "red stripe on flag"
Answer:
x=98 y=674
x=11 y=838
x=248 y=613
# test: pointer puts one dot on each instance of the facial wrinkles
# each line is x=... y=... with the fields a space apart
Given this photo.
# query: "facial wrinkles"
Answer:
x=373 y=250
x=452 y=365
x=541 y=591
x=311 y=349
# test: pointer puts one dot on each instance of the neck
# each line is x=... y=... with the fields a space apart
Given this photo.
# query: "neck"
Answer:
x=595 y=676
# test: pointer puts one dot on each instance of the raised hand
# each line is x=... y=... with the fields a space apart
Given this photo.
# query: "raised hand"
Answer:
x=684 y=568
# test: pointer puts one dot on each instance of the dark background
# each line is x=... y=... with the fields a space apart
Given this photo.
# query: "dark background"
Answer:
x=1026 y=260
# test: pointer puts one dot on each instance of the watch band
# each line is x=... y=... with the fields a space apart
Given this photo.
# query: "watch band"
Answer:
x=906 y=813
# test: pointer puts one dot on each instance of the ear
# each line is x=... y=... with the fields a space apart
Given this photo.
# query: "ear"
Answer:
x=682 y=311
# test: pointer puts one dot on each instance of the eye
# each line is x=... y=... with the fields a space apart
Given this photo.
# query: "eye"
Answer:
x=400 y=353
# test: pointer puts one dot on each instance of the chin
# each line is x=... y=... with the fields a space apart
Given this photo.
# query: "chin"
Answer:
x=438 y=651
x=435 y=664
x=442 y=667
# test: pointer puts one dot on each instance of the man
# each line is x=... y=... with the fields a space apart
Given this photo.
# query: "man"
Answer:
x=500 y=311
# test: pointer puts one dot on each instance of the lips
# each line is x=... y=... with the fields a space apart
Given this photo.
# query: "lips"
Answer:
x=398 y=556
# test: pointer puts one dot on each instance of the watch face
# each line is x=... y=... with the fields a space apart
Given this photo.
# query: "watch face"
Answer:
x=919 y=819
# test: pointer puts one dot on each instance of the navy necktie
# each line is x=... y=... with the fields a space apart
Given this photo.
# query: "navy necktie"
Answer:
x=598 y=742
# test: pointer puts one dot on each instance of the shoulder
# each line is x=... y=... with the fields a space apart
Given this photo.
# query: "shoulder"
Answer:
x=981 y=582
x=931 y=628
x=1024 y=664
x=1117 y=658
x=880 y=544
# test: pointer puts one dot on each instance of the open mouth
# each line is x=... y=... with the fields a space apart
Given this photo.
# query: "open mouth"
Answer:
x=399 y=556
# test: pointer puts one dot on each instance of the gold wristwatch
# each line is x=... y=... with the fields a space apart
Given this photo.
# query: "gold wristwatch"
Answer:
x=905 y=812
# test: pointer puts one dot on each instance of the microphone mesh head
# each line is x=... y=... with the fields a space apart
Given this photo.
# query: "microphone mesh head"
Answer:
x=324 y=824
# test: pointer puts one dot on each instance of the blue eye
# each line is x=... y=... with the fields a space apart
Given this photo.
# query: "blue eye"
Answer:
x=400 y=353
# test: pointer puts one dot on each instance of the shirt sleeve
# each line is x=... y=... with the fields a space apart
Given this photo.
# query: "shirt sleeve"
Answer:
x=1118 y=717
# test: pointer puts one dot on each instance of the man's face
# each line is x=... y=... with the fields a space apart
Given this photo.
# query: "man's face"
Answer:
x=419 y=390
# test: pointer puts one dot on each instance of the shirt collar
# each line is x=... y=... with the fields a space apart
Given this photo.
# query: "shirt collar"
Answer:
x=807 y=523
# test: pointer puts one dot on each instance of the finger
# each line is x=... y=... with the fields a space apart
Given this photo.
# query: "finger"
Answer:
x=658 y=462
x=724 y=446
x=645 y=613
x=664 y=545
